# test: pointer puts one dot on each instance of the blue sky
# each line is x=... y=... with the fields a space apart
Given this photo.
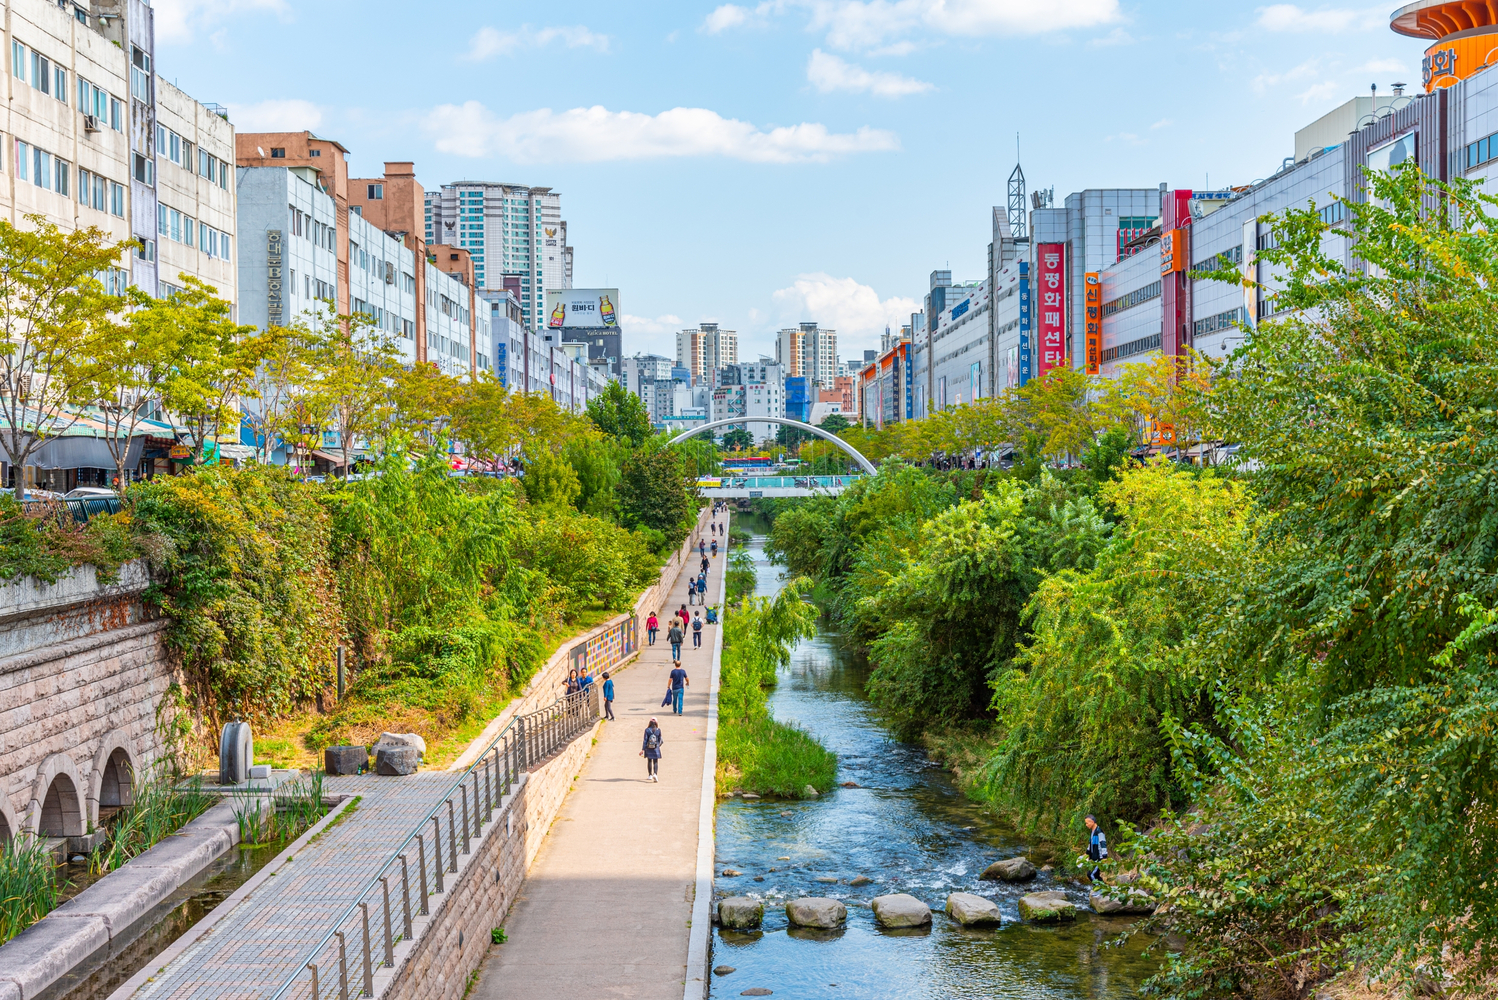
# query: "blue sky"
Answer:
x=768 y=162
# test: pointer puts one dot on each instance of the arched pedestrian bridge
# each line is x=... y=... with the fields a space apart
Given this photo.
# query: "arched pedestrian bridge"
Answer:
x=779 y=486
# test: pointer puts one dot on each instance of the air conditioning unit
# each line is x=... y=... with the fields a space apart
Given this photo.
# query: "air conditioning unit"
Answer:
x=90 y=123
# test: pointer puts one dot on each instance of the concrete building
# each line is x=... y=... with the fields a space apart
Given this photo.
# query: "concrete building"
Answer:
x=515 y=233
x=750 y=390
x=641 y=375
x=809 y=351
x=706 y=350
x=286 y=255
x=92 y=127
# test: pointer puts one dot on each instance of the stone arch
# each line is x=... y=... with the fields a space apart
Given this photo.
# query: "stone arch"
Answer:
x=112 y=780
x=9 y=827
x=863 y=463
x=57 y=800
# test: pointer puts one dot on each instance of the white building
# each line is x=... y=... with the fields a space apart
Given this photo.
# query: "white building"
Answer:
x=750 y=390
x=810 y=351
x=195 y=194
x=382 y=284
x=515 y=233
x=286 y=256
x=705 y=350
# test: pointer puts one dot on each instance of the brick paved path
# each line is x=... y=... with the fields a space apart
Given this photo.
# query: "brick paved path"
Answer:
x=605 y=907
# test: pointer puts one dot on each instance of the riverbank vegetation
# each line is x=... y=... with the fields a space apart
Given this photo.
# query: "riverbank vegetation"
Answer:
x=1273 y=679
x=756 y=752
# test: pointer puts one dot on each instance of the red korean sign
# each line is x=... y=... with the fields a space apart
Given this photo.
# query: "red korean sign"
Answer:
x=1050 y=307
x=1094 y=321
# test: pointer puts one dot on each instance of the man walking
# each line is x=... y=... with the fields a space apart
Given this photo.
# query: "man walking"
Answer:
x=674 y=637
x=608 y=696
x=697 y=630
x=1097 y=847
x=679 y=683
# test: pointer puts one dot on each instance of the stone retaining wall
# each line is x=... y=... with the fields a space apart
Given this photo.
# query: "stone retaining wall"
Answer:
x=83 y=668
x=447 y=947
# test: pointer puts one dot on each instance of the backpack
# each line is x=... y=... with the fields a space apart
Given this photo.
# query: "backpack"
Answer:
x=652 y=740
x=696 y=624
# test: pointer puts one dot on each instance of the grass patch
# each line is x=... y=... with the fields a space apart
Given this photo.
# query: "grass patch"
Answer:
x=769 y=757
x=161 y=807
x=285 y=815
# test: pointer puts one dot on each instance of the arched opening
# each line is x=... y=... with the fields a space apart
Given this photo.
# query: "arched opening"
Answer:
x=116 y=786
x=6 y=833
x=815 y=431
x=62 y=809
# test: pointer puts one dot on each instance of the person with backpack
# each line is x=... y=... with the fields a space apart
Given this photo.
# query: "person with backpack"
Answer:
x=652 y=625
x=651 y=750
x=702 y=587
x=1097 y=847
x=691 y=591
x=715 y=548
x=697 y=630
x=679 y=684
x=608 y=696
x=674 y=637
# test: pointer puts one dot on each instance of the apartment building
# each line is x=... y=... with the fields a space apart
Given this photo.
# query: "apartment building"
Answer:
x=809 y=351
x=92 y=126
x=515 y=233
x=706 y=350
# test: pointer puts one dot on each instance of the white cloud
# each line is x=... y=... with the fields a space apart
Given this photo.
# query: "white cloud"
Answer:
x=1290 y=17
x=1264 y=81
x=488 y=42
x=596 y=134
x=730 y=15
x=858 y=24
x=290 y=115
x=1163 y=123
x=182 y=20
x=1395 y=66
x=854 y=310
x=827 y=73
x=652 y=326
x=1323 y=91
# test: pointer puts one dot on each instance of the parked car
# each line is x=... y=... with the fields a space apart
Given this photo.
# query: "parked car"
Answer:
x=89 y=493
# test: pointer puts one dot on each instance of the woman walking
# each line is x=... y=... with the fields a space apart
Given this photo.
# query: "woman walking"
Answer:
x=651 y=751
x=652 y=625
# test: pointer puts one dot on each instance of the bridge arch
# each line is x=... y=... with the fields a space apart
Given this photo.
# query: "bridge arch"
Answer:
x=863 y=463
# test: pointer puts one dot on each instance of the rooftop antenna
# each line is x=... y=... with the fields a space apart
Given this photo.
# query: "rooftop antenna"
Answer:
x=1017 y=212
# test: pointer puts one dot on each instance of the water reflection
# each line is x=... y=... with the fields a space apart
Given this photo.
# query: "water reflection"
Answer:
x=906 y=828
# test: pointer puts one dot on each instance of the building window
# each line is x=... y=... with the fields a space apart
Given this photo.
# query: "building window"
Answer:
x=278 y=153
x=1334 y=213
x=18 y=60
x=116 y=114
x=376 y=192
x=1482 y=151
x=143 y=169
x=314 y=152
x=145 y=249
x=1134 y=298
x=140 y=75
x=117 y=199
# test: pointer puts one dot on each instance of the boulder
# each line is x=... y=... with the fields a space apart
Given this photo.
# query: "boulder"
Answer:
x=397 y=760
x=756 y=991
x=1136 y=902
x=828 y=879
x=1046 y=907
x=968 y=909
x=401 y=740
x=740 y=913
x=344 y=760
x=816 y=911
x=723 y=970
x=851 y=784
x=731 y=873
x=750 y=796
x=808 y=792
x=1009 y=870
x=900 y=910
x=861 y=880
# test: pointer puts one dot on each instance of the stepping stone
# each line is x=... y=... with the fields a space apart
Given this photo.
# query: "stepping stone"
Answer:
x=757 y=991
x=968 y=909
x=861 y=880
x=740 y=913
x=731 y=873
x=900 y=909
x=1009 y=870
x=722 y=970
x=1047 y=907
x=816 y=911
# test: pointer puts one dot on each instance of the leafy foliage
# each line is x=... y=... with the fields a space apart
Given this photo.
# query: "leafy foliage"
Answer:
x=655 y=491
x=619 y=413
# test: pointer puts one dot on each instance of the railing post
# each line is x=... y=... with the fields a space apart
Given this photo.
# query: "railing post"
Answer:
x=389 y=937
x=342 y=966
x=437 y=849
x=421 y=871
x=520 y=738
x=316 y=993
x=478 y=817
x=368 y=968
x=406 y=897
x=452 y=838
x=463 y=790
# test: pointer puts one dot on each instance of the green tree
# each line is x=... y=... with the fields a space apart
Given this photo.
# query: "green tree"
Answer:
x=655 y=491
x=737 y=439
x=357 y=368
x=278 y=387
x=835 y=423
x=621 y=414
x=548 y=479
x=596 y=461
x=216 y=372
x=57 y=332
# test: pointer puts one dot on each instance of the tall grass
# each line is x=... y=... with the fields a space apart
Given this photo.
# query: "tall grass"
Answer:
x=282 y=816
x=161 y=807
x=769 y=757
x=28 y=884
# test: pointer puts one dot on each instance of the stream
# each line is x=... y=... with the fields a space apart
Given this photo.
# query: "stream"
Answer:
x=910 y=829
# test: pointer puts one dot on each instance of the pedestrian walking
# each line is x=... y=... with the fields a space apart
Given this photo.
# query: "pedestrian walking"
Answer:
x=674 y=637
x=608 y=696
x=691 y=591
x=697 y=630
x=679 y=684
x=706 y=564
x=702 y=587
x=1097 y=847
x=651 y=750
x=652 y=625
x=715 y=548
x=701 y=547
x=682 y=614
x=571 y=683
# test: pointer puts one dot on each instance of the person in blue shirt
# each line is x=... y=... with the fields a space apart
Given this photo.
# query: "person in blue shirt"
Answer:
x=1097 y=847
x=584 y=679
x=679 y=683
x=608 y=696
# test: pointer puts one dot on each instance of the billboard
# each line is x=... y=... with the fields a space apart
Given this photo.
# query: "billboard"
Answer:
x=582 y=308
x=1050 y=307
x=1094 y=326
x=1026 y=348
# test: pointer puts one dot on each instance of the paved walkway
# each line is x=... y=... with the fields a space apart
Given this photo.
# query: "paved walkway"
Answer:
x=604 y=911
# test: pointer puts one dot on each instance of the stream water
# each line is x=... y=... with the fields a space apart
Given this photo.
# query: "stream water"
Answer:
x=910 y=829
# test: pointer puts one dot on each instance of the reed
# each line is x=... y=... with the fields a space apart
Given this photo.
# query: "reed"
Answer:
x=285 y=815
x=28 y=884
x=162 y=806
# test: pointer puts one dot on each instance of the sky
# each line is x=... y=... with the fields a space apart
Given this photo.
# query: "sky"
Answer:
x=766 y=163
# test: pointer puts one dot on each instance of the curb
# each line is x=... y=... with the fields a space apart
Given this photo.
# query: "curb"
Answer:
x=695 y=987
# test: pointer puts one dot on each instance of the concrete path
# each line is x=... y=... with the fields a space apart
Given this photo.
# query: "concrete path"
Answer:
x=604 y=912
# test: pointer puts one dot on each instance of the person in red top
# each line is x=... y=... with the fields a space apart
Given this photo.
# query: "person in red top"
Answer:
x=686 y=618
x=651 y=625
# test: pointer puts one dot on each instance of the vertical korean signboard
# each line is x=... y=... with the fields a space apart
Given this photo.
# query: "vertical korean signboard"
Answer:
x=1026 y=342
x=1050 y=307
x=1094 y=326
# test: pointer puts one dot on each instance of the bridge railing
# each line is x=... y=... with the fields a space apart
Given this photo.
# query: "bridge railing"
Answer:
x=403 y=886
x=789 y=482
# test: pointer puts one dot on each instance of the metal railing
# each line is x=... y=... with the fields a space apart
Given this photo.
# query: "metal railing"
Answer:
x=79 y=510
x=404 y=884
x=802 y=482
